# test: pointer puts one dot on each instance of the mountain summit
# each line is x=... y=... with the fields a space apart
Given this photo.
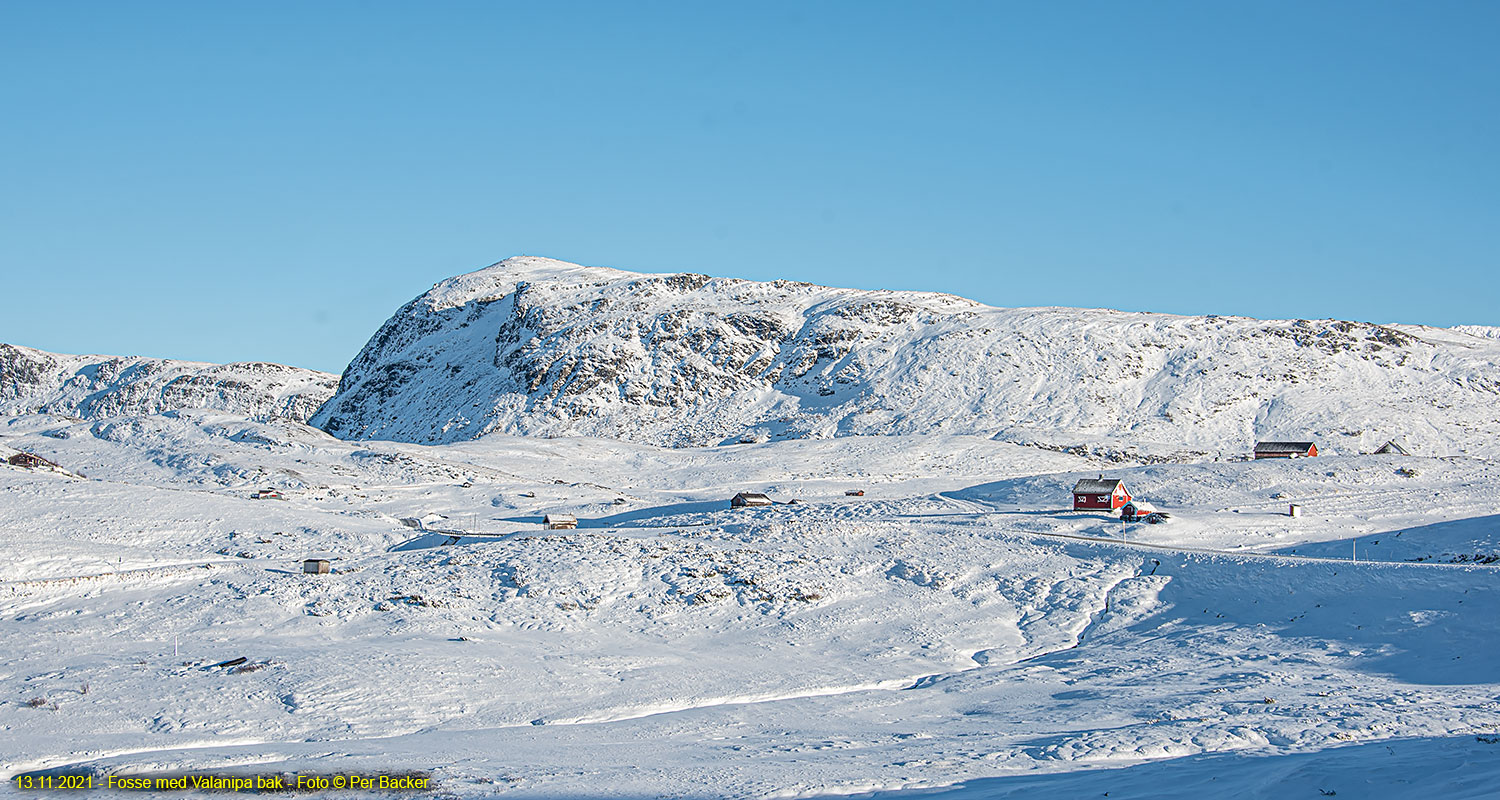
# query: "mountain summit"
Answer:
x=542 y=347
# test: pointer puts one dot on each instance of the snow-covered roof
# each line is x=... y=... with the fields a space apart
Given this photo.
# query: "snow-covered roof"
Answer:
x=1096 y=486
x=1283 y=447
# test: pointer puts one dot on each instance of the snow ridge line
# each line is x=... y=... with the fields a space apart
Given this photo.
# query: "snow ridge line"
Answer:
x=74 y=760
x=20 y=588
x=1247 y=553
x=890 y=684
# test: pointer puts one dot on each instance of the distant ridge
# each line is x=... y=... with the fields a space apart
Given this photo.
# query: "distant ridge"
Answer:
x=94 y=387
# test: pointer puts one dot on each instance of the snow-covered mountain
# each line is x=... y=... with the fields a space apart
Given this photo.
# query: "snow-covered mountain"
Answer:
x=537 y=346
x=93 y=387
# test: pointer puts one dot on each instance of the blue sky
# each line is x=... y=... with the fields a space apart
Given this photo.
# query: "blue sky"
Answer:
x=271 y=180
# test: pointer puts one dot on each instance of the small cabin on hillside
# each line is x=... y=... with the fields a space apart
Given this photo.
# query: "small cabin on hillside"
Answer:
x=29 y=461
x=1099 y=494
x=1285 y=450
x=316 y=566
x=749 y=500
x=1137 y=508
x=266 y=494
x=1392 y=448
x=560 y=522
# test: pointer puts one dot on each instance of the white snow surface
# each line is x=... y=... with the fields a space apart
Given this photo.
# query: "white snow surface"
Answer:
x=956 y=632
x=542 y=347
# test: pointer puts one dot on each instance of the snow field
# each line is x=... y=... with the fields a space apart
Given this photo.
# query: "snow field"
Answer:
x=941 y=631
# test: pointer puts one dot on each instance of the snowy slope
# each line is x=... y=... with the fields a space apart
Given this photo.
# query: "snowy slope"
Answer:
x=952 y=627
x=94 y=387
x=535 y=346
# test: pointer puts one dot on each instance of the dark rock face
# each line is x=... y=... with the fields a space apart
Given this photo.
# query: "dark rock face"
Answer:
x=95 y=387
x=541 y=347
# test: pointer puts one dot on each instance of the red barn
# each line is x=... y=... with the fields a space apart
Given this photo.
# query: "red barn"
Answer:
x=1099 y=494
x=1285 y=449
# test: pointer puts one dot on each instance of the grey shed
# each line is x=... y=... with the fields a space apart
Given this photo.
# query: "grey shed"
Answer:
x=316 y=566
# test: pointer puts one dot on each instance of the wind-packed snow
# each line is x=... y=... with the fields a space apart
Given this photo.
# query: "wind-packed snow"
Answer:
x=542 y=347
x=954 y=632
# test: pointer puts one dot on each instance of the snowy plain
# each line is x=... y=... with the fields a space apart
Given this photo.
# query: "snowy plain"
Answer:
x=955 y=632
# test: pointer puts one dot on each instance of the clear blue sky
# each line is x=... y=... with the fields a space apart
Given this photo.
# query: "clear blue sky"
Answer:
x=270 y=180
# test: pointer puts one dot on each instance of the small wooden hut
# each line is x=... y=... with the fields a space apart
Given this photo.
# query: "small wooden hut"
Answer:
x=29 y=461
x=316 y=566
x=1285 y=450
x=749 y=500
x=560 y=522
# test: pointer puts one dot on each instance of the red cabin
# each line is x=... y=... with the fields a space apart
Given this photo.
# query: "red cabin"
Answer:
x=1099 y=494
x=1285 y=449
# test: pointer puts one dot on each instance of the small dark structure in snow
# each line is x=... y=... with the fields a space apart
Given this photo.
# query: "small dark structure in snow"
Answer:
x=316 y=566
x=749 y=499
x=1142 y=511
x=1136 y=508
x=560 y=522
x=266 y=494
x=855 y=493
x=1091 y=494
x=1285 y=450
x=1392 y=448
x=29 y=460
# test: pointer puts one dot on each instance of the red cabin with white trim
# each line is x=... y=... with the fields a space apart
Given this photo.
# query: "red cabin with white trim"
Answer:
x=1099 y=494
x=1285 y=449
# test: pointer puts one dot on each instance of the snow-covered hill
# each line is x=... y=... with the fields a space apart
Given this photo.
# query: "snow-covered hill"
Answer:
x=95 y=387
x=536 y=346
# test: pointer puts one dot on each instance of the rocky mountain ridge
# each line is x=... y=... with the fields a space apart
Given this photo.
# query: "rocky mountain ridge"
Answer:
x=542 y=347
x=95 y=387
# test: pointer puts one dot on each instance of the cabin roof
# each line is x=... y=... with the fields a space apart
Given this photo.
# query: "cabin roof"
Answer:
x=1096 y=486
x=1283 y=447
